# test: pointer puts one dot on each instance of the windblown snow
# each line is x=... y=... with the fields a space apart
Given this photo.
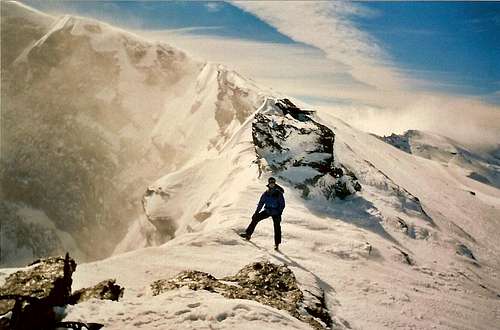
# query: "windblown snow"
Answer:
x=415 y=248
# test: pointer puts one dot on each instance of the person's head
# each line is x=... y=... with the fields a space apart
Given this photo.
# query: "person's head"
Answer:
x=271 y=183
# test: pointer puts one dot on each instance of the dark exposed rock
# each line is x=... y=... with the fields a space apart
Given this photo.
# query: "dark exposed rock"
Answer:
x=288 y=107
x=105 y=290
x=401 y=142
x=31 y=294
x=264 y=282
x=300 y=150
x=465 y=251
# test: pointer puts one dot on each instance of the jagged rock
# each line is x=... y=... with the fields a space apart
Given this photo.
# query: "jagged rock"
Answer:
x=300 y=151
x=105 y=290
x=264 y=282
x=32 y=293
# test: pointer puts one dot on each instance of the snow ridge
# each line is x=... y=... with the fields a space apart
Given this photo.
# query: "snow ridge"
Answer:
x=416 y=247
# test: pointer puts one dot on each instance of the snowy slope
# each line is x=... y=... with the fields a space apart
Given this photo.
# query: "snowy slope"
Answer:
x=414 y=249
x=351 y=249
x=482 y=167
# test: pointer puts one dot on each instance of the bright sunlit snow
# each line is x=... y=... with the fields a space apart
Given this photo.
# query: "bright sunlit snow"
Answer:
x=170 y=168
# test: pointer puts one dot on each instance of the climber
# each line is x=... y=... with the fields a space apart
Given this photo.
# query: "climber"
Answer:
x=274 y=203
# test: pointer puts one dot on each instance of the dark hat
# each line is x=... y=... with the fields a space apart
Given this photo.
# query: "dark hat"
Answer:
x=271 y=179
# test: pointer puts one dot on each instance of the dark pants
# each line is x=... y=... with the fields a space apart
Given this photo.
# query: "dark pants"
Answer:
x=257 y=217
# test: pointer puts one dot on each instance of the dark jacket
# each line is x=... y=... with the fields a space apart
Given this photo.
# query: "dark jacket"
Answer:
x=273 y=201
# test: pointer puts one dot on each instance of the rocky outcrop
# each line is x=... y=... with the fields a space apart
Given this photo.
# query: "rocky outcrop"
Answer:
x=34 y=297
x=164 y=224
x=264 y=282
x=31 y=294
x=105 y=290
x=299 y=150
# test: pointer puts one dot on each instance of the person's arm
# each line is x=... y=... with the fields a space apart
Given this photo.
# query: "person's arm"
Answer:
x=281 y=203
x=261 y=203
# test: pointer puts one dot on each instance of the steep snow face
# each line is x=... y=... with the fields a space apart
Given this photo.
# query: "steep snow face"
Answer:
x=461 y=209
x=217 y=102
x=89 y=116
x=183 y=200
x=482 y=167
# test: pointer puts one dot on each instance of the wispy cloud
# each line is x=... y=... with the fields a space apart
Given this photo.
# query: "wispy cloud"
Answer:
x=387 y=98
x=293 y=69
x=185 y=30
x=328 y=26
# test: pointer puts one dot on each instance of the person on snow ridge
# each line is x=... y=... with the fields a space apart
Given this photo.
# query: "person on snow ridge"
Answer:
x=274 y=203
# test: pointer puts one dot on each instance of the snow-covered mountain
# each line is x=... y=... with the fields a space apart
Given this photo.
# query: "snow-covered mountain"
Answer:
x=413 y=249
x=91 y=114
x=384 y=238
x=483 y=167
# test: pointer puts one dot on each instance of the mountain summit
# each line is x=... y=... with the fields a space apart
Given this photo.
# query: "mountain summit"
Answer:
x=112 y=144
x=99 y=113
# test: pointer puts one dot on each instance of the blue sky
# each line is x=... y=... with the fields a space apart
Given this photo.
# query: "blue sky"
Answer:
x=453 y=47
x=225 y=19
x=456 y=43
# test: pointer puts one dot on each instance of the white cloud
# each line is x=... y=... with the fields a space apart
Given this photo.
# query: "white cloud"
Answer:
x=471 y=122
x=293 y=69
x=327 y=26
x=386 y=98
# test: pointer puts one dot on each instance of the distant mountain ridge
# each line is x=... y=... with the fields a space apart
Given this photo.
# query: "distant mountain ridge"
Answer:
x=483 y=167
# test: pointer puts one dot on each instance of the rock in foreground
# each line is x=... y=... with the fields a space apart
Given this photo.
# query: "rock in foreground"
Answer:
x=105 y=290
x=264 y=282
x=33 y=293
